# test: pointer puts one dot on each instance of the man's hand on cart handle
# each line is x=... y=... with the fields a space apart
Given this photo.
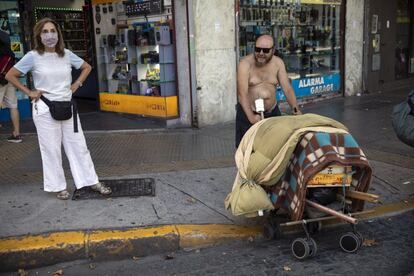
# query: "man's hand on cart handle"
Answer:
x=296 y=111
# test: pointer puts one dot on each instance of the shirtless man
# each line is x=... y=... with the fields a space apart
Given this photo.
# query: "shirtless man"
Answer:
x=257 y=77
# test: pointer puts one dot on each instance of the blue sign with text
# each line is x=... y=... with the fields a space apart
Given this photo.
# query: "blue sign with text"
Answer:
x=312 y=86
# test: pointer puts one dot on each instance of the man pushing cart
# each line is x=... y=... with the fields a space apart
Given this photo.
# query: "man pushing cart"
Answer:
x=298 y=163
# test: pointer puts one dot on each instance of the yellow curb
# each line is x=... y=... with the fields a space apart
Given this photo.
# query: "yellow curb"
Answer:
x=103 y=235
x=196 y=235
x=46 y=249
x=62 y=239
x=390 y=209
x=36 y=242
x=189 y=235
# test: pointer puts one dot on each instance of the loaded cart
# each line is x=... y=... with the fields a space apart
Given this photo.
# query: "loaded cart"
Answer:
x=310 y=167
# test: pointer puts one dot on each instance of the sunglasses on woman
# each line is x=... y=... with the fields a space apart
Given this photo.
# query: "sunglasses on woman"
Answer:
x=265 y=50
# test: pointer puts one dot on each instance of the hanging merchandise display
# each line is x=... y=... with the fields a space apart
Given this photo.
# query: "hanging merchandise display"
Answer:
x=306 y=36
x=136 y=57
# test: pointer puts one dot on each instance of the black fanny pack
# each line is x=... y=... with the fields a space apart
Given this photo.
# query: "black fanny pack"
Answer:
x=62 y=111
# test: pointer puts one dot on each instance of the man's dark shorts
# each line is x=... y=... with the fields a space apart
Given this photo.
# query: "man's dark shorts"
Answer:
x=243 y=124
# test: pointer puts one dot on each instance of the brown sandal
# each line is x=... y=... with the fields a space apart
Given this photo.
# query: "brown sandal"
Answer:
x=101 y=188
x=63 y=195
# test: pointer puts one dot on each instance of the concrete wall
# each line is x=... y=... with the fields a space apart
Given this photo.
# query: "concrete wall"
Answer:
x=354 y=46
x=183 y=67
x=215 y=60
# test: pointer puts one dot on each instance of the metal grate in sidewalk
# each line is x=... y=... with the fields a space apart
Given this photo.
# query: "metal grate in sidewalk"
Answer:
x=120 y=188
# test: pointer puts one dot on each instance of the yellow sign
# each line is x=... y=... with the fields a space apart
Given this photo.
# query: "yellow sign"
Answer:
x=322 y=179
x=164 y=107
x=16 y=47
x=321 y=2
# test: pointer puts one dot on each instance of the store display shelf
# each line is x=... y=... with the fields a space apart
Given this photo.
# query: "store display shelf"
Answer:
x=273 y=7
x=313 y=75
x=149 y=80
x=294 y=24
x=327 y=48
x=142 y=46
x=297 y=69
x=116 y=63
x=255 y=23
x=68 y=19
x=118 y=79
x=272 y=23
x=308 y=54
x=158 y=81
x=317 y=51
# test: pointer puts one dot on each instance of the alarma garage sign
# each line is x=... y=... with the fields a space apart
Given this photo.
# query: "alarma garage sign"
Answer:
x=313 y=86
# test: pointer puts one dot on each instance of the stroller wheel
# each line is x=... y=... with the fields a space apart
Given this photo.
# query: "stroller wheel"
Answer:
x=300 y=248
x=313 y=247
x=360 y=238
x=349 y=242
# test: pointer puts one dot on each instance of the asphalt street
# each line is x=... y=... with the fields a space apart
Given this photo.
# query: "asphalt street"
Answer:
x=388 y=250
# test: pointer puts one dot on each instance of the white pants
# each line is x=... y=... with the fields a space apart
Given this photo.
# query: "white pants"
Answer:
x=52 y=134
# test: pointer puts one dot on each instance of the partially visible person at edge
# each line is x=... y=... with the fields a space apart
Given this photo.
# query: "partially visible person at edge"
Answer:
x=50 y=64
x=8 y=97
x=258 y=74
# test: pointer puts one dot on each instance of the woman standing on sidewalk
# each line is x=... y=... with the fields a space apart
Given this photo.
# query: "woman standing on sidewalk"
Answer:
x=50 y=64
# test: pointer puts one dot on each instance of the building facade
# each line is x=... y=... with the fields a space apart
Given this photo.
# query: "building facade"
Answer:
x=177 y=59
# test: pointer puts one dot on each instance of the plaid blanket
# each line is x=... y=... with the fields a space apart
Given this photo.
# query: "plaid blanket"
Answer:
x=314 y=152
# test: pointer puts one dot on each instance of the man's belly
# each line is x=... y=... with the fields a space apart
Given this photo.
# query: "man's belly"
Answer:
x=265 y=92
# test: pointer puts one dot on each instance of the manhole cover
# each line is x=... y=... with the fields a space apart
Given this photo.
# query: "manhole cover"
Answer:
x=120 y=188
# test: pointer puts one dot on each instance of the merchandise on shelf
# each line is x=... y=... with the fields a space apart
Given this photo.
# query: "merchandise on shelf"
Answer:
x=153 y=74
x=141 y=55
x=152 y=57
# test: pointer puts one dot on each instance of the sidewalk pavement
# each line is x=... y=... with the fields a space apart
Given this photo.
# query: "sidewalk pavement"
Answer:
x=193 y=170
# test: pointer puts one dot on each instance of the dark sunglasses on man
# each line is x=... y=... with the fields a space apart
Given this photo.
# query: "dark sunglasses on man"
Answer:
x=265 y=50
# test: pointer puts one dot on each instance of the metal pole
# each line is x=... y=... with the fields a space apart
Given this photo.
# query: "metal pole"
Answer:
x=290 y=223
x=331 y=212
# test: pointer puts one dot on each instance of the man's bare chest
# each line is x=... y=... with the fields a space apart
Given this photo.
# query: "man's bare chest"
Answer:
x=263 y=76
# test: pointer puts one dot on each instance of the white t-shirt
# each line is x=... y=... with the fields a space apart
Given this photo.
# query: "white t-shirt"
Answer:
x=51 y=73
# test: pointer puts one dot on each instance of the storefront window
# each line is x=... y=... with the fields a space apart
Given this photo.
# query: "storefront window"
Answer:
x=307 y=38
x=136 y=57
x=404 y=65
